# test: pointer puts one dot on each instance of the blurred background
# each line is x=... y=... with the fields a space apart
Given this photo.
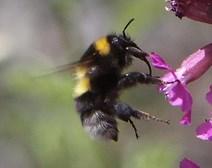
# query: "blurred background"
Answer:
x=39 y=127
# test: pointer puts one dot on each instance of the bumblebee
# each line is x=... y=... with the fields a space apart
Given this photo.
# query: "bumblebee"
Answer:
x=100 y=80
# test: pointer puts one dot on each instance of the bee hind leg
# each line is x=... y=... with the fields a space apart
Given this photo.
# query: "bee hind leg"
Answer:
x=125 y=112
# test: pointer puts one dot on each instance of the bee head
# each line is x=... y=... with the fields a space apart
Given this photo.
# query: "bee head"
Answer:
x=130 y=48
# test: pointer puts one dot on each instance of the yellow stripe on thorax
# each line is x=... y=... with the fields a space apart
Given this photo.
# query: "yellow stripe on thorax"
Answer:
x=83 y=81
x=102 y=46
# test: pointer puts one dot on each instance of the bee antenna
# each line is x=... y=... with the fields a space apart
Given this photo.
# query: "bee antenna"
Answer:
x=127 y=25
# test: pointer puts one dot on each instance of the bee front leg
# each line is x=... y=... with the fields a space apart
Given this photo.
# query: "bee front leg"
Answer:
x=132 y=78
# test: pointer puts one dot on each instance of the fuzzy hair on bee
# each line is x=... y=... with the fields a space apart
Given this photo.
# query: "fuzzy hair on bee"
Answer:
x=100 y=79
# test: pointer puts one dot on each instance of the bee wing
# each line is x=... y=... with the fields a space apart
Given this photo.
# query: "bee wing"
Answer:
x=66 y=67
x=87 y=58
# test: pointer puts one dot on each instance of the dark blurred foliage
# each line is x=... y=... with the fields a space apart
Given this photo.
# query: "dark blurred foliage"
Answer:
x=39 y=126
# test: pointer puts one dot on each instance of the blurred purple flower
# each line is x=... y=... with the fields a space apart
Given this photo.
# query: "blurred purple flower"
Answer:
x=186 y=163
x=174 y=90
x=204 y=131
x=209 y=95
x=199 y=10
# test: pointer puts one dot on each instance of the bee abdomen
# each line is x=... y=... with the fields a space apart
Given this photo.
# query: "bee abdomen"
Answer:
x=100 y=125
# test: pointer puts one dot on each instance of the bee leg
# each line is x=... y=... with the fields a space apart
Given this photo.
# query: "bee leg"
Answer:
x=132 y=78
x=125 y=112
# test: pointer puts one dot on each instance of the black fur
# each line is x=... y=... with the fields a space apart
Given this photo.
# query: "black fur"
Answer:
x=98 y=107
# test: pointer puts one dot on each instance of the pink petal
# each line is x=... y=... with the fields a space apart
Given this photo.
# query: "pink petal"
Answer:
x=178 y=95
x=204 y=131
x=209 y=95
x=186 y=163
x=196 y=64
x=186 y=119
x=158 y=62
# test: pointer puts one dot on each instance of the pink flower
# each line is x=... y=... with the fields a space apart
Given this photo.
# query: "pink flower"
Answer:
x=209 y=95
x=175 y=82
x=204 y=131
x=174 y=90
x=199 y=10
x=186 y=163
